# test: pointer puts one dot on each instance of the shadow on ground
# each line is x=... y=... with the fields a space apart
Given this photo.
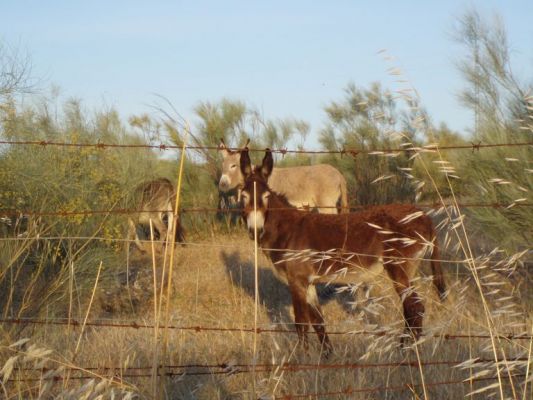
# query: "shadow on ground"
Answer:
x=273 y=293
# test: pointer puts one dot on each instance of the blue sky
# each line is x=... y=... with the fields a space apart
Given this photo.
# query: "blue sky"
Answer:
x=288 y=59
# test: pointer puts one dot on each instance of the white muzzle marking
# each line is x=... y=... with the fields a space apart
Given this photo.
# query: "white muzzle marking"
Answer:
x=224 y=182
x=255 y=220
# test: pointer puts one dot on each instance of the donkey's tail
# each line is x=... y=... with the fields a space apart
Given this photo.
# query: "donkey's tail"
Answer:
x=343 y=197
x=438 y=277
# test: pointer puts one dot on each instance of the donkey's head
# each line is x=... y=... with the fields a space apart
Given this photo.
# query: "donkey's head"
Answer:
x=231 y=177
x=255 y=192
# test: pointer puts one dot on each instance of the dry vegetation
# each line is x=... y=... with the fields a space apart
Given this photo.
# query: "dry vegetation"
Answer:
x=213 y=286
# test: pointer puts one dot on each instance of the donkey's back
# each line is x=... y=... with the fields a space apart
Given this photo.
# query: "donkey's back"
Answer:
x=154 y=198
x=312 y=186
x=154 y=202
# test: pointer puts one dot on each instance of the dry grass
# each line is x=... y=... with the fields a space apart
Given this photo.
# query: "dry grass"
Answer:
x=214 y=287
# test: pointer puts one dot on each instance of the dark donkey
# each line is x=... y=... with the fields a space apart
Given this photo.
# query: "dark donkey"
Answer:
x=309 y=248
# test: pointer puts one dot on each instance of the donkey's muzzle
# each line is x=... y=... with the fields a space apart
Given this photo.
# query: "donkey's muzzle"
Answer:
x=224 y=184
x=255 y=220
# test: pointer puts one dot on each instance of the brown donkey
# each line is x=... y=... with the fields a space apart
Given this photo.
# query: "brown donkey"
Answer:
x=308 y=248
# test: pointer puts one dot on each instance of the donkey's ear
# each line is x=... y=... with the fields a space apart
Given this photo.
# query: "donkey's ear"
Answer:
x=268 y=164
x=223 y=148
x=246 y=164
x=246 y=144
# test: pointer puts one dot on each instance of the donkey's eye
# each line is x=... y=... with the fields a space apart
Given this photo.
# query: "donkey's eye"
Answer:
x=245 y=197
x=266 y=195
x=233 y=166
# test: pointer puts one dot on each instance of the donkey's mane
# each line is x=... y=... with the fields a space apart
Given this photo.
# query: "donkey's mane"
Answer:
x=282 y=198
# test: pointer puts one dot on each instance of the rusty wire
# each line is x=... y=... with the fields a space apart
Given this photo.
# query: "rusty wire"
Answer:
x=198 y=329
x=125 y=211
x=235 y=367
x=349 y=151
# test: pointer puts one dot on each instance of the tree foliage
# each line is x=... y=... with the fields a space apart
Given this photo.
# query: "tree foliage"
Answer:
x=52 y=178
x=503 y=108
x=370 y=119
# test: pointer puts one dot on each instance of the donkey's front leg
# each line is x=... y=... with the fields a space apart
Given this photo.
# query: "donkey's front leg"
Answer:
x=132 y=235
x=161 y=228
x=301 y=310
x=317 y=320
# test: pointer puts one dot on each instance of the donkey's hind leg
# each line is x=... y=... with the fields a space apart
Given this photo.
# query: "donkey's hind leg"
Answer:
x=413 y=309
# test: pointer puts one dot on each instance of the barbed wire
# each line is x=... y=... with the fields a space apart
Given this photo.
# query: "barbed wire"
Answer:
x=198 y=329
x=233 y=367
x=349 y=151
x=229 y=369
x=126 y=211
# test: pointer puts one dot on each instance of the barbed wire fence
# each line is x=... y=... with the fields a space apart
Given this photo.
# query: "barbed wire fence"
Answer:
x=197 y=328
x=343 y=151
x=206 y=209
x=233 y=369
x=236 y=368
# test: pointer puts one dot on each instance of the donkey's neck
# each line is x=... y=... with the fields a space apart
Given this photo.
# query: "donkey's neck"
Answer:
x=282 y=217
